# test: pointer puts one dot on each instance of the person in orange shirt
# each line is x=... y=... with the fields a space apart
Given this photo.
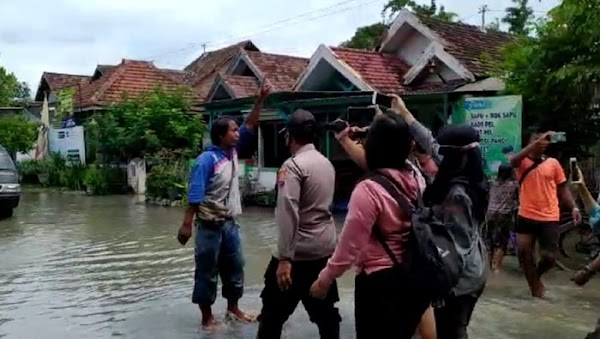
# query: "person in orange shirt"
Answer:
x=543 y=188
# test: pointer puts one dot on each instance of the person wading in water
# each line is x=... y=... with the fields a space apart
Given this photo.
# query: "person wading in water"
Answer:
x=543 y=185
x=307 y=235
x=214 y=201
x=504 y=198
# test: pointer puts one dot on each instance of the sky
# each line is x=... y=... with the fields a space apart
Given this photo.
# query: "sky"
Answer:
x=73 y=36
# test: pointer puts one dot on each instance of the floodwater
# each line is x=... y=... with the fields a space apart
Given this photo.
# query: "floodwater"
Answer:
x=73 y=266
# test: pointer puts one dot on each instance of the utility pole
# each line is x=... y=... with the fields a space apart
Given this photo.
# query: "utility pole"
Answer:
x=484 y=9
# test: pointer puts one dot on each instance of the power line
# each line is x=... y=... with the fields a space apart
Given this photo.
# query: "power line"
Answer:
x=222 y=43
x=228 y=42
x=468 y=17
x=504 y=11
x=277 y=23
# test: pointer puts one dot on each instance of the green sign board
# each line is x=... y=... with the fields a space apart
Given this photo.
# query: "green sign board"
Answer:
x=498 y=120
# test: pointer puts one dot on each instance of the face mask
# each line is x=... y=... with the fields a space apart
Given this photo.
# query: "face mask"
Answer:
x=462 y=148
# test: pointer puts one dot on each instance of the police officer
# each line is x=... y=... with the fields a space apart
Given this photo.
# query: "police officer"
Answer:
x=307 y=235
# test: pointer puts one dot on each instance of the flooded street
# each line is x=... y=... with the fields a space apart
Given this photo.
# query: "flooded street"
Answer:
x=98 y=267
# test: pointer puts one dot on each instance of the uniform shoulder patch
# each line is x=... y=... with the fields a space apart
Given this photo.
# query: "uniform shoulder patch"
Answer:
x=281 y=175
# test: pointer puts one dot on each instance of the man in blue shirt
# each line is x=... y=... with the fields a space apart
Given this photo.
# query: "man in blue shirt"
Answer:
x=214 y=201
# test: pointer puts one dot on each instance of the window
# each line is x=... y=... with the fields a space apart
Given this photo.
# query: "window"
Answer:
x=275 y=150
x=5 y=160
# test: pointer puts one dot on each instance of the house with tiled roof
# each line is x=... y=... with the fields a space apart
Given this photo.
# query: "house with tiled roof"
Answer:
x=243 y=76
x=419 y=55
x=432 y=64
x=129 y=78
x=108 y=84
x=428 y=62
x=51 y=83
x=202 y=72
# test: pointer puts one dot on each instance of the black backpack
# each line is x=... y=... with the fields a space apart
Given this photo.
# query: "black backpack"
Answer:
x=430 y=260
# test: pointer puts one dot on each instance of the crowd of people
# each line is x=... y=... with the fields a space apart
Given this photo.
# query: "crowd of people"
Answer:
x=394 y=217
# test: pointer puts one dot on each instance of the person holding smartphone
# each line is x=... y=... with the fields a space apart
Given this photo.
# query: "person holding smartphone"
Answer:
x=543 y=186
x=424 y=168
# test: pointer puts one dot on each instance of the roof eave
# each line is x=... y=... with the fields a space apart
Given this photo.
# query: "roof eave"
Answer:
x=281 y=98
x=324 y=52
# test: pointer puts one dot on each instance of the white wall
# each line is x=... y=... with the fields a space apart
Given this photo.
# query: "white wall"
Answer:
x=413 y=47
x=26 y=156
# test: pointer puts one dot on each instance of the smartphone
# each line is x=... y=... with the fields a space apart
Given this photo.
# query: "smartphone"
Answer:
x=574 y=169
x=382 y=100
x=361 y=116
x=557 y=137
x=336 y=126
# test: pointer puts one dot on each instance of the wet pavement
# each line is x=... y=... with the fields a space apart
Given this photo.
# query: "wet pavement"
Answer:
x=97 y=267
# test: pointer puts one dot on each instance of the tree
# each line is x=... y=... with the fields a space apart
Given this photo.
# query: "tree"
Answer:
x=431 y=10
x=65 y=103
x=142 y=126
x=558 y=74
x=12 y=92
x=17 y=134
x=367 y=37
x=494 y=26
x=519 y=17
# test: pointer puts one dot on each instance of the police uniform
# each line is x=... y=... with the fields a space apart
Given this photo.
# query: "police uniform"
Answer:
x=307 y=238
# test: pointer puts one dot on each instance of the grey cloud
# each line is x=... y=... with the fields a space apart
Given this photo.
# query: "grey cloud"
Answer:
x=73 y=36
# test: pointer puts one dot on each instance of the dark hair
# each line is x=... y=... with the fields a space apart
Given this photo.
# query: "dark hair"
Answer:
x=388 y=130
x=460 y=164
x=505 y=172
x=302 y=127
x=219 y=129
x=305 y=133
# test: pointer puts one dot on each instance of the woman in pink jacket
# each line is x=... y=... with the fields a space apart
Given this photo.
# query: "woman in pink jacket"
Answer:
x=385 y=305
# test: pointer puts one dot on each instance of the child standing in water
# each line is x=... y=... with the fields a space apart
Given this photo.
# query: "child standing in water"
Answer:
x=504 y=196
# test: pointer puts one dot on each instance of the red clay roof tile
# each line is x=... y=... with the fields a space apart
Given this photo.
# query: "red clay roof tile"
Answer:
x=130 y=78
x=242 y=86
x=282 y=71
x=204 y=70
x=58 y=81
x=382 y=71
x=469 y=44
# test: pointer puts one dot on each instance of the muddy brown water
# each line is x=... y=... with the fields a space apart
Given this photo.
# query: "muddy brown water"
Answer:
x=97 y=267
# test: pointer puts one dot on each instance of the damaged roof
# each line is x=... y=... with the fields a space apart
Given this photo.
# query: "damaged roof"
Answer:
x=471 y=45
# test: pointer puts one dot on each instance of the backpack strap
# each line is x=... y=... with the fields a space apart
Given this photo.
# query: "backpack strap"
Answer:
x=529 y=169
x=396 y=192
